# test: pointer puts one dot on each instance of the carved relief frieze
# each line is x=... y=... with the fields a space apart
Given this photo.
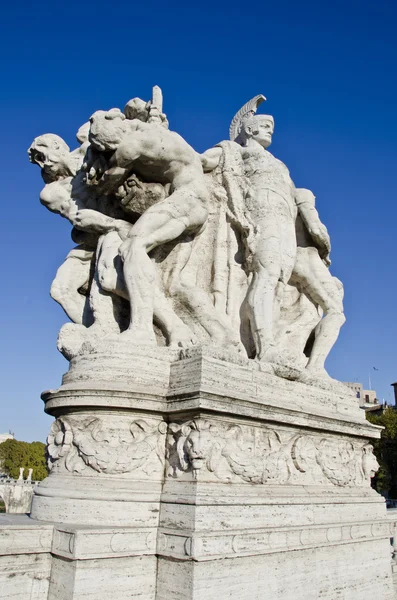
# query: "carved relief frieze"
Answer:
x=212 y=450
x=93 y=444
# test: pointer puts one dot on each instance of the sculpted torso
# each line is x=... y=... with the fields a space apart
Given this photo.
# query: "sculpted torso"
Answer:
x=72 y=194
x=158 y=153
x=265 y=172
x=151 y=151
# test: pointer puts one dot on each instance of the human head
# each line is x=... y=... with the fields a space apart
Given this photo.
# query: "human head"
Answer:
x=257 y=127
x=107 y=129
x=83 y=132
x=137 y=109
x=51 y=153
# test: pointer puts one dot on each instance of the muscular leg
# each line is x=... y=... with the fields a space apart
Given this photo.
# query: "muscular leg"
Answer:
x=175 y=330
x=107 y=308
x=322 y=289
x=262 y=291
x=160 y=223
x=110 y=283
x=261 y=304
x=273 y=261
x=71 y=276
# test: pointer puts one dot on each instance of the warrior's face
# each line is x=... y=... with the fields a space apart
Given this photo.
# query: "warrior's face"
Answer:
x=259 y=128
x=107 y=130
x=263 y=130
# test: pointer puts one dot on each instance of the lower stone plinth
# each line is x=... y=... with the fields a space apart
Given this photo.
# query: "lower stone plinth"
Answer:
x=49 y=561
x=278 y=543
x=200 y=478
x=25 y=558
x=350 y=572
x=99 y=563
x=118 y=578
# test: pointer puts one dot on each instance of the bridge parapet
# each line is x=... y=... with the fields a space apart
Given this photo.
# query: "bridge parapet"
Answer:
x=17 y=494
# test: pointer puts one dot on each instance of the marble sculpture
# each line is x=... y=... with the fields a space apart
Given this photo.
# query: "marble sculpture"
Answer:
x=181 y=249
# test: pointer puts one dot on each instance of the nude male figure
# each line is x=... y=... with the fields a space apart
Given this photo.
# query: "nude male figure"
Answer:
x=270 y=204
x=101 y=224
x=157 y=154
x=67 y=194
x=312 y=277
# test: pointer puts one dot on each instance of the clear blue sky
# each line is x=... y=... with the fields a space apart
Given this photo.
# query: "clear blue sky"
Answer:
x=328 y=70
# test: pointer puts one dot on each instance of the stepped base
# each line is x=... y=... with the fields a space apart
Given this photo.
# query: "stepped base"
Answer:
x=199 y=478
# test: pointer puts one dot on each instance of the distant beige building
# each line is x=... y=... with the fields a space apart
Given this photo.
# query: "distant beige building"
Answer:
x=367 y=398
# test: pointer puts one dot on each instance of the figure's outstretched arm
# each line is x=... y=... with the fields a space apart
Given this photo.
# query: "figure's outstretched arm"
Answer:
x=56 y=197
x=94 y=221
x=210 y=159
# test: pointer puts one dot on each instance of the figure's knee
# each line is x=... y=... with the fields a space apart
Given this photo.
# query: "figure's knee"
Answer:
x=107 y=279
x=131 y=245
x=341 y=319
x=337 y=314
x=57 y=291
x=62 y=288
x=267 y=275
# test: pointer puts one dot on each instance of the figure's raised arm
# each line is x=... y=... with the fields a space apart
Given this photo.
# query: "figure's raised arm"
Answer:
x=210 y=159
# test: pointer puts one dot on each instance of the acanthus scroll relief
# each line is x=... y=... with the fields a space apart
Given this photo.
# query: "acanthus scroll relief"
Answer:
x=91 y=445
x=257 y=455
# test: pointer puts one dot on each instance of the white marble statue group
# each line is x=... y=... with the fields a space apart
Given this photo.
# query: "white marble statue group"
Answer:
x=178 y=248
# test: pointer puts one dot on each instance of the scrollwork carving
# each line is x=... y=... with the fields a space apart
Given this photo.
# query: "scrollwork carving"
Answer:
x=91 y=443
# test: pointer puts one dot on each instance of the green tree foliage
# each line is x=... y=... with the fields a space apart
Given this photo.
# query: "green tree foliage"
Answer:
x=15 y=454
x=385 y=450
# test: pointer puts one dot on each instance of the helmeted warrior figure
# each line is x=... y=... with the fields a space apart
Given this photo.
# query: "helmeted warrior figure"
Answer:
x=271 y=212
x=269 y=208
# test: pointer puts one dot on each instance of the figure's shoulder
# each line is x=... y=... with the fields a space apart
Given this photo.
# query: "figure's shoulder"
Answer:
x=229 y=150
x=61 y=183
x=229 y=145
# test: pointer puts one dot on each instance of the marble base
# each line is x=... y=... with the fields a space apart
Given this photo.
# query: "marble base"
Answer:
x=193 y=477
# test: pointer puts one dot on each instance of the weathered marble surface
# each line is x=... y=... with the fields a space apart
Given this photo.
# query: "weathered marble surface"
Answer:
x=235 y=256
x=217 y=481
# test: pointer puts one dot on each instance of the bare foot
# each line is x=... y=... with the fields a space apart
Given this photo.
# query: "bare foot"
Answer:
x=230 y=340
x=139 y=336
x=182 y=337
x=285 y=364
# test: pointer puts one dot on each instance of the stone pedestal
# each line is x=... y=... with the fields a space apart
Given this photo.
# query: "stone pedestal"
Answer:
x=189 y=476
